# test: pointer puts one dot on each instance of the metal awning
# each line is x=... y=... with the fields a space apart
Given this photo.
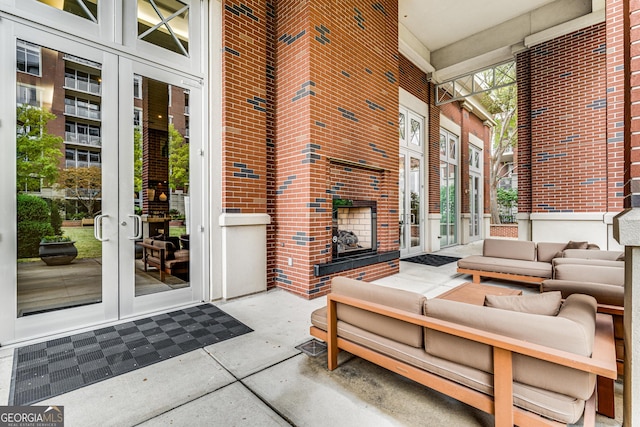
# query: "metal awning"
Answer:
x=487 y=79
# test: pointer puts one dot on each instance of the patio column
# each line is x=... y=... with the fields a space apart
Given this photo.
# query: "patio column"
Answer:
x=627 y=223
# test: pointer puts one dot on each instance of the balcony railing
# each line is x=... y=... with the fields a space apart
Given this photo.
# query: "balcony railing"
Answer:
x=74 y=110
x=78 y=138
x=82 y=86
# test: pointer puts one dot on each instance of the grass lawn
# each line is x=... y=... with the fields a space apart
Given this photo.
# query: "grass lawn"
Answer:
x=88 y=246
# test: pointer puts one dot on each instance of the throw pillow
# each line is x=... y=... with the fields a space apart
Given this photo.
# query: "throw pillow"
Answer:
x=547 y=303
x=577 y=245
x=620 y=257
x=593 y=246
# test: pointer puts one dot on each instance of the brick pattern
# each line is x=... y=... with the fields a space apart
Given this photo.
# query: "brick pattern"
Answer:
x=568 y=123
x=433 y=153
x=271 y=41
x=632 y=103
x=244 y=106
x=523 y=70
x=504 y=230
x=615 y=104
x=413 y=79
x=337 y=87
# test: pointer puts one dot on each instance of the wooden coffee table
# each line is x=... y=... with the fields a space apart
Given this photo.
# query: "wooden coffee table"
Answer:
x=474 y=293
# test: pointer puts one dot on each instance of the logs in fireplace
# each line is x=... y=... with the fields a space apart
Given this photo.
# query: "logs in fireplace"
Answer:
x=354 y=228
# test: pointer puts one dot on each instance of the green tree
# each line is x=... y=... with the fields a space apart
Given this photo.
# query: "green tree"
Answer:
x=37 y=151
x=507 y=199
x=84 y=184
x=34 y=222
x=502 y=103
x=178 y=159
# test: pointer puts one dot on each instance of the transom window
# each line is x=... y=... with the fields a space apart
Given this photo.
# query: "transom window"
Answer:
x=87 y=9
x=28 y=58
x=475 y=158
x=164 y=23
x=410 y=128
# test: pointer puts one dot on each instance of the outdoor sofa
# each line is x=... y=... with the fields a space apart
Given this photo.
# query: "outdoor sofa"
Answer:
x=165 y=255
x=527 y=369
x=527 y=261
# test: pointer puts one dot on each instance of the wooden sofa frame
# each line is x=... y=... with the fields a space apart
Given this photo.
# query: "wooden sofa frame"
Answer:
x=163 y=267
x=601 y=363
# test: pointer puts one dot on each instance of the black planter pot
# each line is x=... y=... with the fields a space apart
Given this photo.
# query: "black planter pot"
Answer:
x=58 y=253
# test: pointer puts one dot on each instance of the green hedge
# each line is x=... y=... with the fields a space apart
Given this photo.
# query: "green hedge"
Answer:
x=33 y=224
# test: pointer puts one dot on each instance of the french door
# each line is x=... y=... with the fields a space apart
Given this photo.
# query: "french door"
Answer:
x=411 y=207
x=107 y=154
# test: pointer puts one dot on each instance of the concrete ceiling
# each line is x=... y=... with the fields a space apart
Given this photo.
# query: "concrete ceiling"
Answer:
x=451 y=38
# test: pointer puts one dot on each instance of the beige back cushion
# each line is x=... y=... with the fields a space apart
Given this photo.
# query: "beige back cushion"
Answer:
x=547 y=304
x=547 y=251
x=389 y=328
x=572 y=330
x=513 y=249
x=592 y=254
x=589 y=273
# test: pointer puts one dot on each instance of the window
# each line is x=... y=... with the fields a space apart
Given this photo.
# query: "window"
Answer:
x=28 y=95
x=28 y=58
x=82 y=133
x=164 y=23
x=137 y=86
x=82 y=81
x=78 y=158
x=81 y=108
x=87 y=9
x=137 y=117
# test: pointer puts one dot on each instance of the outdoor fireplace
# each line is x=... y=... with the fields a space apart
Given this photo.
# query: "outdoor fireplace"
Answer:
x=354 y=228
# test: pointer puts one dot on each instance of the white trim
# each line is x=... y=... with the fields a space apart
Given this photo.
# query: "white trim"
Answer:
x=413 y=50
x=567 y=216
x=450 y=126
x=412 y=102
x=565 y=28
x=240 y=219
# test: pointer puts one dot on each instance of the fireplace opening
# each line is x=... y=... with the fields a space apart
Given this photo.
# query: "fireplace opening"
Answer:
x=354 y=228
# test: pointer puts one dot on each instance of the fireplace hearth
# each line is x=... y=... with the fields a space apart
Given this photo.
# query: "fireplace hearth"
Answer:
x=354 y=228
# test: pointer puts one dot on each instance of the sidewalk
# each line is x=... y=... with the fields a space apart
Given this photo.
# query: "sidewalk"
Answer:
x=260 y=379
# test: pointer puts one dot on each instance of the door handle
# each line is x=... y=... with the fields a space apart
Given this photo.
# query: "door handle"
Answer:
x=137 y=227
x=97 y=227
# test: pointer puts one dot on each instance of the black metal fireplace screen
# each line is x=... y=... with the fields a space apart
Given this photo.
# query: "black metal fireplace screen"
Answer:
x=354 y=228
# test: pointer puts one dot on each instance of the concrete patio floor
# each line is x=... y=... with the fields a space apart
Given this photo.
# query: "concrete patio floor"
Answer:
x=261 y=379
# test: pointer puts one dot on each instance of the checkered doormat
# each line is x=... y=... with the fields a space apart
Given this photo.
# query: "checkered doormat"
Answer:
x=54 y=367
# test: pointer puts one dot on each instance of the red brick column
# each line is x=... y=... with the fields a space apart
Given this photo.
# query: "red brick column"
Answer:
x=337 y=98
x=615 y=105
x=523 y=62
x=244 y=109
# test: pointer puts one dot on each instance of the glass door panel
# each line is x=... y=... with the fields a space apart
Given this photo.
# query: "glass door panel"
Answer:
x=410 y=204
x=416 y=230
x=56 y=187
x=157 y=212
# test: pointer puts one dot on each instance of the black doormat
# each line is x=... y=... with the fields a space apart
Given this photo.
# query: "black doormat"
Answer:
x=432 y=260
x=55 y=367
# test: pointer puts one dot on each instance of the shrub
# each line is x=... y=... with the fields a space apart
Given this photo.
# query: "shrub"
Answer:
x=33 y=224
x=30 y=233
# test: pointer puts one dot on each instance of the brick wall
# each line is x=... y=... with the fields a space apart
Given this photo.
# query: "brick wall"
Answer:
x=504 y=230
x=244 y=67
x=615 y=105
x=632 y=100
x=568 y=123
x=523 y=72
x=337 y=99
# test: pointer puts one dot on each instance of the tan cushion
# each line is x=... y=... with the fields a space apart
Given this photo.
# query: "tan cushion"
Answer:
x=577 y=245
x=603 y=293
x=572 y=332
x=505 y=265
x=546 y=251
x=512 y=249
x=547 y=304
x=586 y=261
x=376 y=323
x=590 y=254
x=589 y=273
